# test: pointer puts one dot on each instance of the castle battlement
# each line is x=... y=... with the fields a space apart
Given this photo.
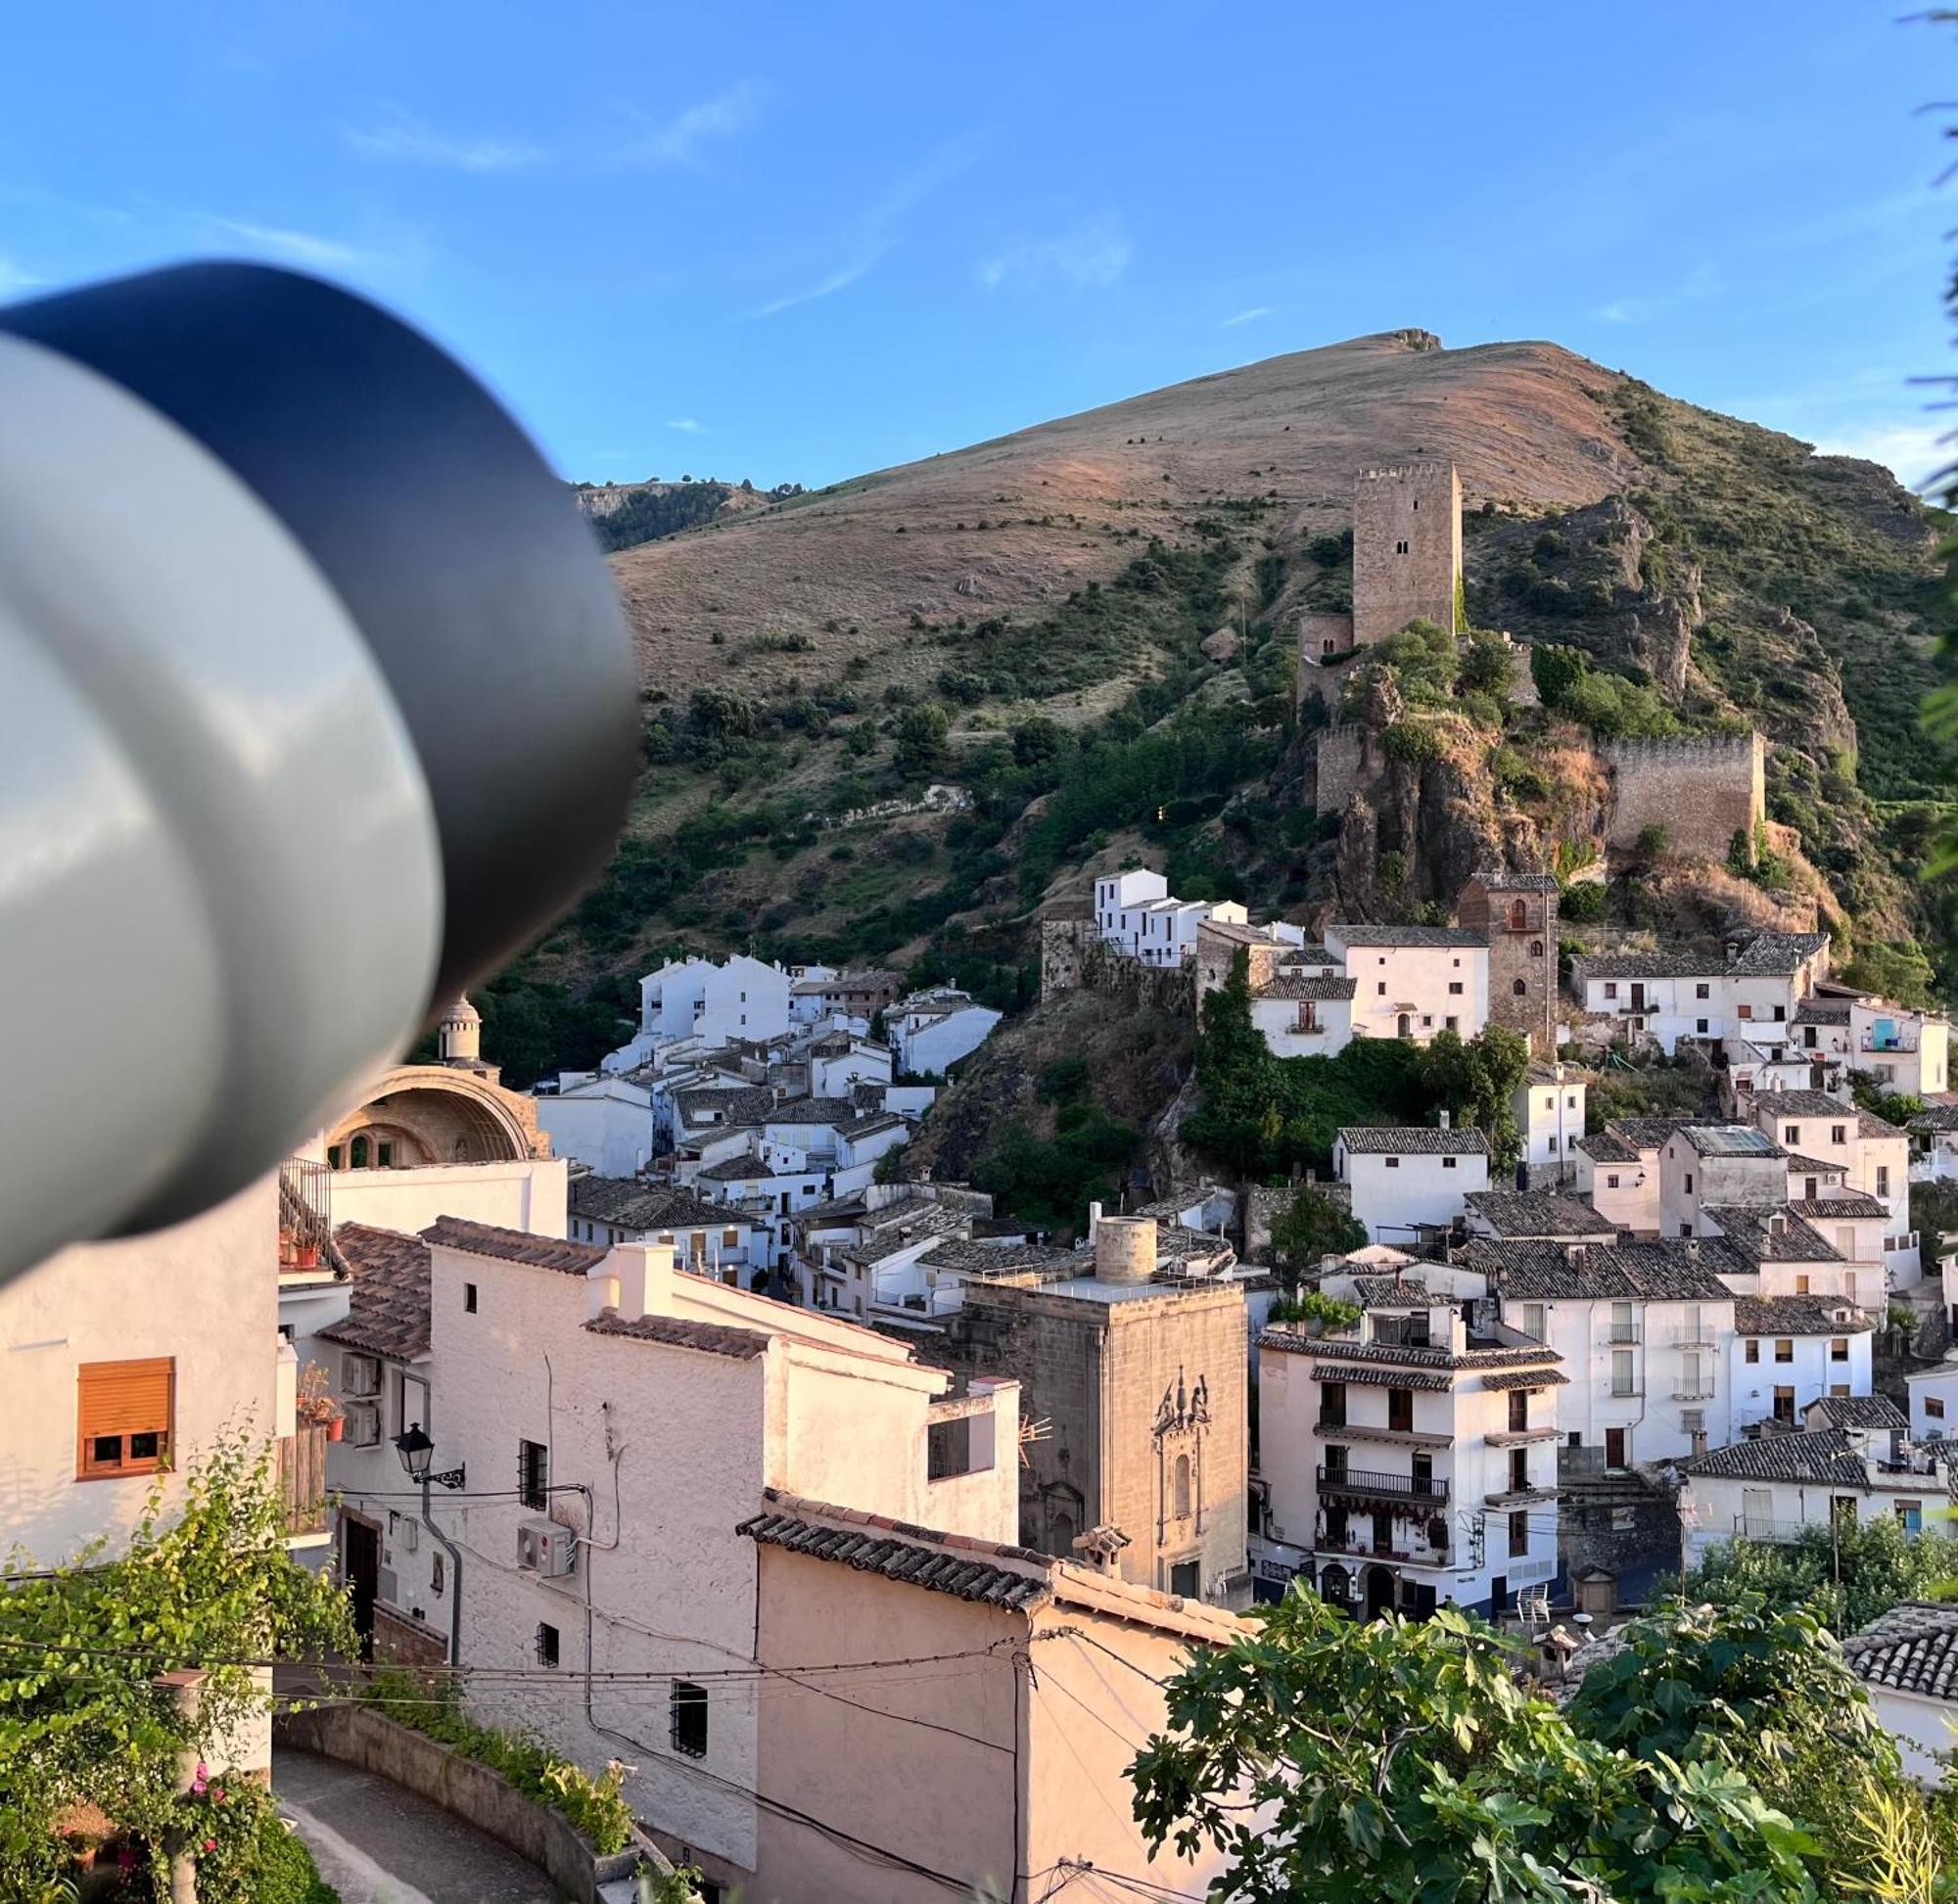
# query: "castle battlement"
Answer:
x=1406 y=472
x=1700 y=789
x=1683 y=749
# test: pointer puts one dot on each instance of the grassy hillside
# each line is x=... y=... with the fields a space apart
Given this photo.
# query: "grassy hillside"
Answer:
x=1085 y=629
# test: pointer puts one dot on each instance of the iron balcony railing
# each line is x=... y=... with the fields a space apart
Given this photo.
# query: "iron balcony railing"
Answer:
x=1431 y=1490
x=1625 y=1334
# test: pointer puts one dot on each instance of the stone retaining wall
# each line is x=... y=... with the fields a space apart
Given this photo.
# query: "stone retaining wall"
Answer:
x=354 y=1735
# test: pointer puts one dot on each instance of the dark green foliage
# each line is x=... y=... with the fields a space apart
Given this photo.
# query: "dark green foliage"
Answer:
x=1611 y=706
x=1414 y=743
x=648 y=514
x=286 y=1873
x=920 y=736
x=533 y=1026
x=1897 y=969
x=1039 y=740
x=1485 y=663
x=1473 y=1080
x=1313 y=1226
x=1582 y=904
x=1266 y=1117
x=1556 y=672
x=1051 y=1182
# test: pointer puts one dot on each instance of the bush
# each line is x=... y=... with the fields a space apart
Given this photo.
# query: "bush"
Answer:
x=1412 y=742
x=1315 y=1305
x=1582 y=904
x=286 y=1873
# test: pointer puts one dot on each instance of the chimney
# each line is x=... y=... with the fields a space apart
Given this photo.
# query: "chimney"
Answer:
x=601 y=1289
x=1445 y=1116
x=645 y=1273
x=1573 y=1254
x=1094 y=1220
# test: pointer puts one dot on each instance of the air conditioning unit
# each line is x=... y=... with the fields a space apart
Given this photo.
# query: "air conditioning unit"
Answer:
x=363 y=1424
x=360 y=1374
x=545 y=1548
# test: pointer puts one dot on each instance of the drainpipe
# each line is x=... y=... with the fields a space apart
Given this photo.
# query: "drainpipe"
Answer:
x=454 y=1554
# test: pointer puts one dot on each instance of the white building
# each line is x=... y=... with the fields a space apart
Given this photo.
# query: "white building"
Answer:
x=1873 y=1155
x=1617 y=1171
x=600 y=1120
x=1305 y=1006
x=641 y=1415
x=1750 y=992
x=1549 y=1109
x=704 y=1237
x=1933 y=1401
x=1933 y=1145
x=1906 y=1051
x=694 y=997
x=837 y=1060
x=1642 y=1329
x=931 y=1031
x=1413 y=981
x=1771 y=1487
x=1135 y=913
x=122 y=1364
x=1791 y=1351
x=1404 y=1178
x=1909 y=1667
x=1412 y=1463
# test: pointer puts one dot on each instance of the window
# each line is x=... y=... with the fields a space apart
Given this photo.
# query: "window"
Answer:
x=1380 y=990
x=1746 y=1012
x=690 y=1718
x=1519 y=1410
x=1400 y=1409
x=1536 y=948
x=1753 y=1353
x=1533 y=1324
x=1333 y=1405
x=358 y=1154
x=1699 y=1024
x=1393 y=1163
x=1448 y=1163
x=1838 y=1348
x=546 y=1644
x=1519 y=988
x=1702 y=990
x=532 y=1474
x=384 y=1155
x=336 y=1157
x=1884 y=1181
x=1784 y=1405
x=124 y=1416
x=1791 y=1133
x=1801 y=1285
x=1180 y=1488
x=469 y=1298
x=1452 y=1022
x=1611 y=989
x=1612 y=1180
x=1519 y=1470
x=1453 y=988
x=1839 y=1133
x=1623 y=1381
x=1933 y=1409
x=1519 y=1533
x=731 y=1239
x=1186 y=1578
x=1400 y=549
x=1783 y=1349
x=1911 y=1513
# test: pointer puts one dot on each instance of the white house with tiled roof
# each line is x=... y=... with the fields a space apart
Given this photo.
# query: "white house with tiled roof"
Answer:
x=1304 y=1007
x=619 y=1421
x=1749 y=990
x=1773 y=1487
x=1788 y=1351
x=1907 y=1659
x=1874 y=1157
x=1906 y=1050
x=1617 y=1171
x=933 y=1030
x=1401 y=1179
x=1411 y=1461
x=1549 y=1109
x=1413 y=981
x=1934 y=1400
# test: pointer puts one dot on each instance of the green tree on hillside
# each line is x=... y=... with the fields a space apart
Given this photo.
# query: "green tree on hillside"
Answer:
x=1311 y=1227
x=1474 y=1080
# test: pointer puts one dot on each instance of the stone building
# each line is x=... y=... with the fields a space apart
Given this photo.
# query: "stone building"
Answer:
x=1701 y=790
x=1140 y=1385
x=1517 y=912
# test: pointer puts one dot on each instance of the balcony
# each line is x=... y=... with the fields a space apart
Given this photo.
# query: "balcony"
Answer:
x=1757 y=1527
x=305 y=1215
x=1624 y=1336
x=1895 y=1042
x=1693 y=1388
x=1693 y=1336
x=1327 y=1427
x=301 y=1466
x=1429 y=1492
x=1354 y=1548
x=1523 y=1437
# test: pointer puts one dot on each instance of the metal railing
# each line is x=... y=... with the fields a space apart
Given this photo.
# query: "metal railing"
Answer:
x=1897 y=1043
x=1693 y=1388
x=1353 y=1548
x=1625 y=1334
x=1693 y=1336
x=1400 y=1487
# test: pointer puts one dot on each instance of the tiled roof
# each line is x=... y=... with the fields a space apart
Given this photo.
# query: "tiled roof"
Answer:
x=633 y=1203
x=1314 y=954
x=1366 y=1377
x=1389 y=936
x=1602 y=1147
x=1667 y=1269
x=1819 y=1104
x=1859 y=1412
x=1775 y=955
x=1644 y=1132
x=1405 y=1355
x=387 y=1306
x=513 y=1245
x=812 y=1110
x=870 y=1550
x=1647 y=966
x=1292 y=985
x=1393 y=1292
x=1818 y=1209
x=1935 y=1117
x=1822 y=1011
x=684 y=1332
x=744 y=1169
x=1822 y=1454
x=1870 y=1125
x=1754 y=1233
x=868 y=1126
x=1798 y=1316
x=1495 y=880
x=1729 y=1141
x=1524 y=1379
x=1819 y=1166
x=736 y=1104
x=1532 y=1213
x=1913 y=1647
x=1414 y=1140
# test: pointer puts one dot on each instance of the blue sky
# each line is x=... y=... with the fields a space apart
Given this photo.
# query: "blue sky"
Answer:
x=800 y=241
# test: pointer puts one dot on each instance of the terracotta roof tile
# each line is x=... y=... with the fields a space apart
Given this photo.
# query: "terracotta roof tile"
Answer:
x=513 y=1245
x=387 y=1306
x=684 y=1332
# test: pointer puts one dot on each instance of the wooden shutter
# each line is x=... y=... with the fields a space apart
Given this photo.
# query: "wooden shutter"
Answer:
x=124 y=1398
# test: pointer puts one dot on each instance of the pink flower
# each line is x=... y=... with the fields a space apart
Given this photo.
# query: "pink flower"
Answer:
x=211 y=1844
x=203 y=1770
x=217 y=1796
x=197 y=1786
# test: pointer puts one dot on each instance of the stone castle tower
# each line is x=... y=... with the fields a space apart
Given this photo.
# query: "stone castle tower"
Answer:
x=1407 y=549
x=1517 y=914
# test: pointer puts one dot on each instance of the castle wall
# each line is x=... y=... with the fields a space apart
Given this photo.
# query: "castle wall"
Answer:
x=1703 y=790
x=1344 y=761
x=1075 y=958
x=1407 y=548
x=1324 y=643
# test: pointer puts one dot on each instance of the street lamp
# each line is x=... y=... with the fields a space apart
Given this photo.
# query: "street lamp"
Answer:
x=415 y=1450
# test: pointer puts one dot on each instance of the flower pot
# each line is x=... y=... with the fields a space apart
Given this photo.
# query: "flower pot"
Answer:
x=335 y=1429
x=307 y=1255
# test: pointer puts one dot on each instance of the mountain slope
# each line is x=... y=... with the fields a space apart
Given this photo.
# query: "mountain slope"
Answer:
x=1086 y=628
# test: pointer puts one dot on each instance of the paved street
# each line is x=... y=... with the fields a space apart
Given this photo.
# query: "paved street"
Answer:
x=378 y=1844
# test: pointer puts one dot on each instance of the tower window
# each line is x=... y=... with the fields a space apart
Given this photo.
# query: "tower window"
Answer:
x=546 y=1644
x=689 y=1710
x=1400 y=549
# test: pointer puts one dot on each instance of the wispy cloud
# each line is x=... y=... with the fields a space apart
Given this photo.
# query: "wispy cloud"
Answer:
x=687 y=426
x=641 y=142
x=1646 y=307
x=13 y=278
x=1093 y=256
x=878 y=230
x=1250 y=316
x=307 y=248
x=401 y=136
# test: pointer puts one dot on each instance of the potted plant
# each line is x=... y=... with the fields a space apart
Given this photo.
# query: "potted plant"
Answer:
x=315 y=1403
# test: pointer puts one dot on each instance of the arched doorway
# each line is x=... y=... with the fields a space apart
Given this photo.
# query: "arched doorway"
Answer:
x=1379 y=1591
x=1406 y=1023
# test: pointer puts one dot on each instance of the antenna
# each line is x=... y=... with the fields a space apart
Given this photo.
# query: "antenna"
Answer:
x=1041 y=1428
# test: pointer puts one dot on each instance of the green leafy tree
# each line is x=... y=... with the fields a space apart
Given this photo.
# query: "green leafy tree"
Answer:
x=1555 y=673
x=1312 y=1226
x=1327 y=1758
x=1474 y=1080
x=1485 y=663
x=81 y=1721
x=920 y=738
